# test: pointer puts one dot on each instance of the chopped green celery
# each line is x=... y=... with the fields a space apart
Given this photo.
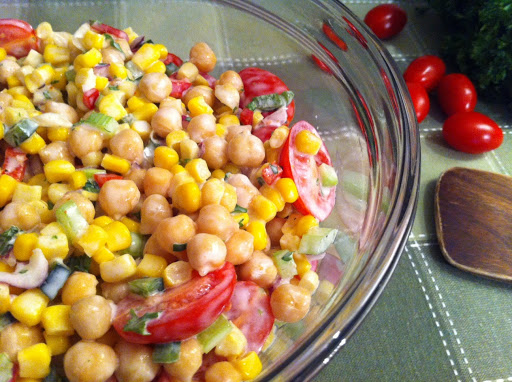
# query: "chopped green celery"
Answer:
x=105 y=123
x=89 y=172
x=146 y=286
x=354 y=183
x=55 y=280
x=69 y=217
x=166 y=353
x=270 y=102
x=285 y=263
x=7 y=239
x=328 y=175
x=79 y=263
x=137 y=246
x=20 y=132
x=138 y=324
x=214 y=334
x=6 y=319
x=6 y=367
x=317 y=240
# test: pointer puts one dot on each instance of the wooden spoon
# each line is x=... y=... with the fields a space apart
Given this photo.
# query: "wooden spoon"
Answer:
x=474 y=221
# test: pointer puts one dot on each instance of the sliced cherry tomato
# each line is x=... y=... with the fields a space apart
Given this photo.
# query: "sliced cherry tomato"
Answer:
x=17 y=37
x=259 y=82
x=420 y=100
x=426 y=70
x=15 y=163
x=179 y=87
x=101 y=179
x=104 y=28
x=246 y=117
x=90 y=97
x=271 y=173
x=172 y=58
x=251 y=313
x=472 y=132
x=303 y=169
x=456 y=93
x=185 y=310
x=386 y=20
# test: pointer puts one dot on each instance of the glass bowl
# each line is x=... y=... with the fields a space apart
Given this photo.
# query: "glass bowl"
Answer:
x=359 y=103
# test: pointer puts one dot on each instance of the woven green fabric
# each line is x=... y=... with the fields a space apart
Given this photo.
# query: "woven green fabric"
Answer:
x=433 y=322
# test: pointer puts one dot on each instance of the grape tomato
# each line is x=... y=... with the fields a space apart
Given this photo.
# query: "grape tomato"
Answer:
x=386 y=20
x=17 y=37
x=419 y=99
x=456 y=93
x=426 y=70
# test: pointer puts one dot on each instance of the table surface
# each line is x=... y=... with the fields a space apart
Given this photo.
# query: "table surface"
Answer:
x=433 y=322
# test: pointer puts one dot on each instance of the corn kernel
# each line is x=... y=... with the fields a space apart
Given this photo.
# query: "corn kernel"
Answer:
x=102 y=221
x=162 y=49
x=146 y=56
x=119 y=236
x=118 y=269
x=165 y=157
x=177 y=168
x=25 y=193
x=93 y=40
x=101 y=82
x=241 y=218
x=189 y=71
x=58 y=170
x=12 y=115
x=28 y=306
x=231 y=168
x=229 y=120
x=262 y=208
x=13 y=81
x=118 y=70
x=3 y=54
x=56 y=55
x=177 y=273
x=220 y=130
x=219 y=174
x=156 y=67
x=198 y=106
x=111 y=106
x=59 y=80
x=188 y=149
x=5 y=298
x=93 y=239
x=290 y=242
x=287 y=189
x=187 y=197
x=34 y=361
x=257 y=229
x=115 y=164
x=212 y=191
x=143 y=128
x=273 y=195
x=309 y=281
x=103 y=254
x=151 y=266
x=174 y=138
x=53 y=246
x=198 y=168
x=304 y=224
x=89 y=59
x=131 y=224
x=56 y=322
x=92 y=159
x=57 y=344
x=249 y=366
x=7 y=187
x=135 y=102
x=78 y=180
x=229 y=198
x=57 y=191
x=307 y=142
x=24 y=245
x=85 y=79
x=52 y=229
x=145 y=112
x=131 y=34
x=58 y=134
x=302 y=263
x=233 y=345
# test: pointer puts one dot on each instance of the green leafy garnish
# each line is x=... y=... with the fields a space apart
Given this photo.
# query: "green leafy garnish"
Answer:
x=239 y=209
x=92 y=186
x=7 y=239
x=171 y=68
x=79 y=263
x=271 y=101
x=114 y=87
x=47 y=95
x=166 y=353
x=241 y=223
x=138 y=324
x=146 y=286
x=113 y=42
x=287 y=256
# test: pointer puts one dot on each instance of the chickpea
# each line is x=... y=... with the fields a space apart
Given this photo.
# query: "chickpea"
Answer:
x=91 y=317
x=137 y=175
x=157 y=181
x=274 y=230
x=260 y=269
x=215 y=152
x=152 y=247
x=79 y=285
x=118 y=197
x=290 y=303
x=191 y=358
x=212 y=191
x=90 y=362
x=200 y=90
x=240 y=247
x=201 y=127
x=246 y=150
x=83 y=141
x=154 y=209
x=176 y=230
x=245 y=190
x=202 y=56
x=7 y=69
x=222 y=372
x=174 y=103
x=127 y=144
x=84 y=205
x=216 y=220
x=18 y=336
x=228 y=95
x=54 y=151
x=234 y=130
x=111 y=55
x=63 y=109
x=229 y=198
x=231 y=77
x=206 y=253
x=5 y=99
x=135 y=362
x=166 y=120
x=22 y=215
x=155 y=86
x=115 y=291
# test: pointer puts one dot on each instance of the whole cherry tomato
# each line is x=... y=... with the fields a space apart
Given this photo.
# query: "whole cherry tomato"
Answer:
x=426 y=70
x=17 y=37
x=472 y=132
x=456 y=93
x=420 y=100
x=386 y=20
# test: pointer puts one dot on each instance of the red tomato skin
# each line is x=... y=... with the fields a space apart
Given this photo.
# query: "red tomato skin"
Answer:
x=17 y=37
x=311 y=201
x=179 y=87
x=259 y=82
x=420 y=100
x=90 y=97
x=104 y=28
x=472 y=132
x=15 y=163
x=101 y=179
x=426 y=70
x=456 y=93
x=251 y=313
x=386 y=20
x=174 y=59
x=187 y=309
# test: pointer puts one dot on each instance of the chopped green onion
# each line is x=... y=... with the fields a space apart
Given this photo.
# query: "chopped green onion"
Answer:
x=134 y=70
x=271 y=101
x=114 y=87
x=137 y=245
x=138 y=324
x=79 y=263
x=89 y=172
x=7 y=239
x=274 y=168
x=166 y=353
x=214 y=334
x=105 y=123
x=20 y=132
x=146 y=286
x=70 y=218
x=179 y=247
x=239 y=209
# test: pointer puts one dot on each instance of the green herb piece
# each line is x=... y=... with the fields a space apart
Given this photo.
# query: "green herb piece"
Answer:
x=6 y=319
x=50 y=205
x=171 y=68
x=47 y=95
x=146 y=286
x=226 y=177
x=287 y=256
x=166 y=353
x=114 y=87
x=271 y=101
x=70 y=75
x=239 y=209
x=188 y=119
x=92 y=186
x=178 y=247
x=6 y=368
x=7 y=239
x=128 y=118
x=184 y=162
x=241 y=223
x=113 y=42
x=140 y=324
x=79 y=263
x=20 y=132
x=261 y=181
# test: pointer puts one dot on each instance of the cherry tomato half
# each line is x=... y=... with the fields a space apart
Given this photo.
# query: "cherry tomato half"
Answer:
x=251 y=313
x=472 y=133
x=17 y=37
x=426 y=70
x=303 y=169
x=420 y=100
x=386 y=20
x=185 y=310
x=104 y=28
x=259 y=82
x=456 y=93
x=89 y=98
x=15 y=163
